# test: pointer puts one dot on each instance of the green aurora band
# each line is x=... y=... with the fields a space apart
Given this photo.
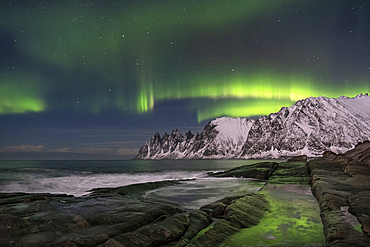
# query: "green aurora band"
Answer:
x=243 y=95
x=95 y=35
x=100 y=41
x=20 y=94
x=97 y=40
x=239 y=96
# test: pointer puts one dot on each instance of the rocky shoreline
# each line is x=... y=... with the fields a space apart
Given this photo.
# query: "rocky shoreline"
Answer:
x=341 y=185
x=124 y=217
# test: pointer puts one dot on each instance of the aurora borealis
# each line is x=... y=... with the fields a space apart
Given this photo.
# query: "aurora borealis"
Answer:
x=101 y=77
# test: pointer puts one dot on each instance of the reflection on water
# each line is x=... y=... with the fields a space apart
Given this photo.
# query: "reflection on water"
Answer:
x=293 y=220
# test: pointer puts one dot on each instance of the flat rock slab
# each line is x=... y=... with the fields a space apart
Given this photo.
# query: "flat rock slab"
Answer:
x=293 y=172
x=263 y=170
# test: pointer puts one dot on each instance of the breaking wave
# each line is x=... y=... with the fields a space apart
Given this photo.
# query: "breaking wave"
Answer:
x=79 y=185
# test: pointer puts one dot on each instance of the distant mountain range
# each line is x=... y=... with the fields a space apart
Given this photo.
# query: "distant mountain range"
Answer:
x=310 y=127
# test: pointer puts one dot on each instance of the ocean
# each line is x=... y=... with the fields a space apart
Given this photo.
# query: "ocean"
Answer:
x=78 y=177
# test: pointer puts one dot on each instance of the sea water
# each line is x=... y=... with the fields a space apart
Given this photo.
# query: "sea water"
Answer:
x=78 y=177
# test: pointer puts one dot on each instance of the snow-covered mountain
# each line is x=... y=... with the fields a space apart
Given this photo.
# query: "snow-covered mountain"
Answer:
x=310 y=126
x=221 y=138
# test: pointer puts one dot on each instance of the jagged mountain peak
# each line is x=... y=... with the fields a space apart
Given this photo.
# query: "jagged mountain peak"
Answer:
x=362 y=95
x=310 y=126
x=189 y=135
x=220 y=138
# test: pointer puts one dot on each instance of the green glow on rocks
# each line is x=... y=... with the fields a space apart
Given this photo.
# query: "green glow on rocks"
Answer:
x=293 y=220
x=20 y=95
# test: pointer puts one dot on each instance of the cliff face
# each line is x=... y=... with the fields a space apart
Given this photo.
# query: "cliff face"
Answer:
x=309 y=127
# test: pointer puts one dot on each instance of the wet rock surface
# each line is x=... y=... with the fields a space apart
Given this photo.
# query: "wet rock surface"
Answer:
x=120 y=217
x=242 y=213
x=341 y=185
x=61 y=220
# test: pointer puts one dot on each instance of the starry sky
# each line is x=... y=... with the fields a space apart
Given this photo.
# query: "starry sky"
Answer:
x=96 y=79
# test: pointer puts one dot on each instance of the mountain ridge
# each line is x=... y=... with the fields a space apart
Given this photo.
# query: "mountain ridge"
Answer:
x=309 y=127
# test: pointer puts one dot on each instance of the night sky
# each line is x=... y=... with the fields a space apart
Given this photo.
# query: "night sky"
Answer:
x=96 y=79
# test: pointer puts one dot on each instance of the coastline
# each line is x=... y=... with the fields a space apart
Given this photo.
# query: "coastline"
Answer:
x=122 y=216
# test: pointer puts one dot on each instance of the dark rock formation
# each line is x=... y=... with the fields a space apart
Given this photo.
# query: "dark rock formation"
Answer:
x=341 y=185
x=61 y=220
x=133 y=190
x=299 y=158
x=119 y=217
